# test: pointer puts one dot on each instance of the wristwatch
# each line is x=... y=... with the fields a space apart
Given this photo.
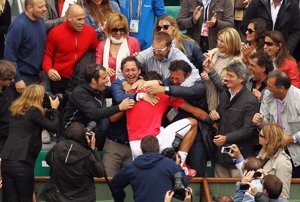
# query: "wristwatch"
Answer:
x=167 y=89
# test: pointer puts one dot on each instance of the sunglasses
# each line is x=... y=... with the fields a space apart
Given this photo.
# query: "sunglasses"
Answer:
x=8 y=79
x=250 y=31
x=159 y=50
x=115 y=30
x=96 y=70
x=164 y=27
x=267 y=43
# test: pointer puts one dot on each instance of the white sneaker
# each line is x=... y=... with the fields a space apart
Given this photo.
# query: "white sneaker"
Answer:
x=45 y=137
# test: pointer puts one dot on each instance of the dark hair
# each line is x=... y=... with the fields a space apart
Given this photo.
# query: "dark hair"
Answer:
x=149 y=144
x=273 y=185
x=130 y=59
x=90 y=72
x=281 y=78
x=223 y=198
x=239 y=69
x=75 y=131
x=252 y=163
x=263 y=60
x=180 y=65
x=152 y=75
x=162 y=36
x=7 y=70
x=260 y=28
x=283 y=53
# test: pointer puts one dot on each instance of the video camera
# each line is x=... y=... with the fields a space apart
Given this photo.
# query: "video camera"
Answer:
x=89 y=128
x=46 y=101
x=179 y=188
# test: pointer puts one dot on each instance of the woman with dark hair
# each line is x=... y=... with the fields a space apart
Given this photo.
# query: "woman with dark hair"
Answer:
x=275 y=47
x=28 y=118
x=255 y=33
x=117 y=46
x=183 y=42
x=97 y=12
x=5 y=19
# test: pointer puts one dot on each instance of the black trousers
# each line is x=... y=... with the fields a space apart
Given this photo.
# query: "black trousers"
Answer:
x=18 y=181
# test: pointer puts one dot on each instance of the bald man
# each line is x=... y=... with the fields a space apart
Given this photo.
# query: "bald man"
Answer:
x=25 y=43
x=65 y=45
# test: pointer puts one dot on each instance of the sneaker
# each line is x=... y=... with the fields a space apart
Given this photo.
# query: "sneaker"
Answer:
x=188 y=171
x=46 y=137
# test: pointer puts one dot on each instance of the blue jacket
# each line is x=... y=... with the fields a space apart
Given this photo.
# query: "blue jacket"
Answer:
x=150 y=176
x=194 y=54
x=150 y=10
x=25 y=44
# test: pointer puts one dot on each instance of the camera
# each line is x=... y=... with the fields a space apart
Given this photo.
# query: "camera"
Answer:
x=226 y=150
x=179 y=188
x=90 y=127
x=257 y=174
x=244 y=186
x=46 y=101
x=169 y=153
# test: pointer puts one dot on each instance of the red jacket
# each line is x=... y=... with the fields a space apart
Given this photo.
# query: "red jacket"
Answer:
x=291 y=68
x=65 y=46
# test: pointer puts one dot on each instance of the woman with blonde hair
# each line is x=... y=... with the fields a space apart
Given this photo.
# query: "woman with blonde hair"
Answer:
x=275 y=47
x=5 y=19
x=117 y=46
x=275 y=160
x=228 y=50
x=97 y=12
x=28 y=119
x=183 y=42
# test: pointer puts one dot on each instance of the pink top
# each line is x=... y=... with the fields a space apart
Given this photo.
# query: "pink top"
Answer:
x=291 y=68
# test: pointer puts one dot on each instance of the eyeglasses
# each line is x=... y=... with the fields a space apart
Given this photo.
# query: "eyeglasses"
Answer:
x=250 y=31
x=267 y=43
x=8 y=79
x=164 y=27
x=96 y=70
x=159 y=50
x=115 y=30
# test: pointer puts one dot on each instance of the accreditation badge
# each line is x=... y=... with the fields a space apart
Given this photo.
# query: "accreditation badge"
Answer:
x=134 y=26
x=204 y=30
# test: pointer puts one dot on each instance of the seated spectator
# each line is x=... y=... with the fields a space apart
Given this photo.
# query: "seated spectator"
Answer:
x=97 y=12
x=275 y=160
x=150 y=175
x=74 y=163
x=117 y=46
x=183 y=42
x=252 y=173
x=275 y=47
x=272 y=188
x=227 y=51
x=255 y=34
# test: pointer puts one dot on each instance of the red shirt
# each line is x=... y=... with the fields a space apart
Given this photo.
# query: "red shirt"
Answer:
x=144 y=119
x=291 y=68
x=60 y=6
x=65 y=46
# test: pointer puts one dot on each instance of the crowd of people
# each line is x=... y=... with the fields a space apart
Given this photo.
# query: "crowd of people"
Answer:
x=119 y=76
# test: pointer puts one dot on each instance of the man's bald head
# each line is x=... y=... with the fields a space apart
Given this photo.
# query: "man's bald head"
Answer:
x=76 y=16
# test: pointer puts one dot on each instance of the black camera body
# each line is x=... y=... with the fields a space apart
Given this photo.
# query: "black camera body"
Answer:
x=179 y=188
x=89 y=128
x=46 y=101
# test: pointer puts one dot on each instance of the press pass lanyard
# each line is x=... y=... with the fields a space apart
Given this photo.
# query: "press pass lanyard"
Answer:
x=138 y=12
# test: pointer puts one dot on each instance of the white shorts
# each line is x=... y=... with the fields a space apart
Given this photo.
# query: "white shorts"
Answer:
x=165 y=137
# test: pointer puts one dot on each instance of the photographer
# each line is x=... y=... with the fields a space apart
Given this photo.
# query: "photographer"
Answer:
x=74 y=162
x=150 y=175
x=24 y=142
x=188 y=195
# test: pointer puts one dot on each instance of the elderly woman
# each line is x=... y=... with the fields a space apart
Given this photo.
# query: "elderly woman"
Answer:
x=183 y=42
x=97 y=12
x=227 y=51
x=275 y=47
x=117 y=46
x=275 y=160
x=255 y=33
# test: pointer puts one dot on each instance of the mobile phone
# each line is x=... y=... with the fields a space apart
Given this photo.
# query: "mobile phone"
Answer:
x=226 y=150
x=244 y=186
x=257 y=174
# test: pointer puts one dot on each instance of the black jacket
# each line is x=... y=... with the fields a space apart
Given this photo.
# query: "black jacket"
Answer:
x=24 y=140
x=73 y=167
x=86 y=104
x=236 y=123
x=288 y=19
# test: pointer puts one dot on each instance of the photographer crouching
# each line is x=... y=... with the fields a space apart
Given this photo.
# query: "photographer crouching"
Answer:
x=74 y=162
